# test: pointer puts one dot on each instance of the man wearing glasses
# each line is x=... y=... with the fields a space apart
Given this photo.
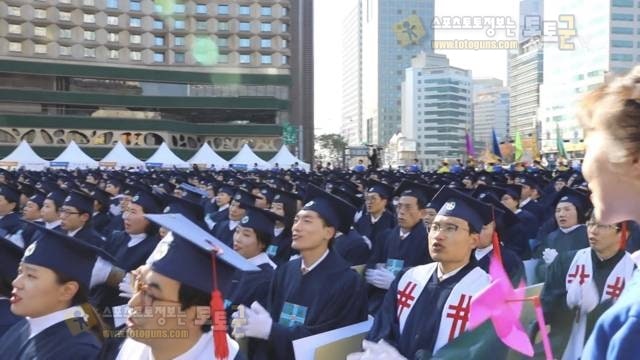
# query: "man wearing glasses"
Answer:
x=75 y=216
x=580 y=285
x=427 y=306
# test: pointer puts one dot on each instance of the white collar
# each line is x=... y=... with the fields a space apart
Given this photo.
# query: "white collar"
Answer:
x=524 y=202
x=443 y=277
x=74 y=232
x=375 y=220
x=260 y=259
x=51 y=225
x=518 y=211
x=313 y=266
x=233 y=224
x=39 y=324
x=480 y=253
x=136 y=239
x=568 y=230
x=277 y=231
x=404 y=234
x=95 y=213
x=4 y=298
x=223 y=207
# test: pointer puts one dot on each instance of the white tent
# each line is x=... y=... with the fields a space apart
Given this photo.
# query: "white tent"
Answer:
x=284 y=158
x=206 y=156
x=24 y=155
x=119 y=156
x=247 y=158
x=164 y=157
x=73 y=158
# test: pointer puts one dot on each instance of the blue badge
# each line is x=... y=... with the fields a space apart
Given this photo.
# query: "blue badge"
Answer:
x=272 y=250
x=227 y=303
x=292 y=315
x=394 y=265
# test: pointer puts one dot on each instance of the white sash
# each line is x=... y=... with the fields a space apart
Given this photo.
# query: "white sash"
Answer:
x=411 y=286
x=582 y=293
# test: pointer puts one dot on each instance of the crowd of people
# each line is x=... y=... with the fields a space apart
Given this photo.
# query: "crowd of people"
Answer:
x=195 y=264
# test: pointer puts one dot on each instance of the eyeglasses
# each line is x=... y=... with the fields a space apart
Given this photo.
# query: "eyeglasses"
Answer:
x=147 y=298
x=445 y=228
x=407 y=207
x=600 y=227
x=67 y=212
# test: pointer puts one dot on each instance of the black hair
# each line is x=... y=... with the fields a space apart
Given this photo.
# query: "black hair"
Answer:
x=263 y=238
x=5 y=286
x=81 y=298
x=189 y=296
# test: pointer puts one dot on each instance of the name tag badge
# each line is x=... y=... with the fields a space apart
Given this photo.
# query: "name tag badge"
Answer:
x=227 y=303
x=272 y=250
x=292 y=315
x=394 y=265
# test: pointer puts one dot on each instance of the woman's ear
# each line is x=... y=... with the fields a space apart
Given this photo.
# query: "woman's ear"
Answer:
x=68 y=290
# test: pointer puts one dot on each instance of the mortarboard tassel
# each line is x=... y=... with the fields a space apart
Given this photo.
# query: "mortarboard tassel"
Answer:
x=219 y=323
x=623 y=236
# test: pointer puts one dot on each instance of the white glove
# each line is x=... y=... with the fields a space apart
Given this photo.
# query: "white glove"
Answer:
x=100 y=272
x=126 y=286
x=380 y=278
x=376 y=351
x=252 y=322
x=548 y=255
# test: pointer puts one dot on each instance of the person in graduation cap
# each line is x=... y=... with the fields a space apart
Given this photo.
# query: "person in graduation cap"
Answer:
x=351 y=246
x=100 y=217
x=75 y=214
x=51 y=292
x=581 y=285
x=376 y=219
x=114 y=187
x=403 y=246
x=314 y=293
x=174 y=296
x=30 y=213
x=510 y=198
x=50 y=211
x=529 y=195
x=130 y=249
x=10 y=255
x=285 y=204
x=427 y=306
x=264 y=197
x=225 y=229
x=9 y=218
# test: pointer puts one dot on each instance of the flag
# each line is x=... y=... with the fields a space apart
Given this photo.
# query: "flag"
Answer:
x=518 y=146
x=496 y=144
x=469 y=144
x=560 y=143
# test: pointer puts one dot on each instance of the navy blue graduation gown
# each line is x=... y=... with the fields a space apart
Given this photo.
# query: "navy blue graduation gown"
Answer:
x=115 y=224
x=88 y=234
x=28 y=231
x=511 y=262
x=514 y=238
x=59 y=341
x=364 y=226
x=7 y=318
x=209 y=205
x=334 y=296
x=410 y=251
x=530 y=223
x=535 y=208
x=423 y=323
x=221 y=215
x=223 y=233
x=280 y=250
x=247 y=287
x=352 y=247
x=100 y=221
x=576 y=239
x=633 y=243
x=11 y=223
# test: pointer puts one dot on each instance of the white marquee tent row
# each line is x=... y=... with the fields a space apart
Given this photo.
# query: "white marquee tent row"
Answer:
x=72 y=157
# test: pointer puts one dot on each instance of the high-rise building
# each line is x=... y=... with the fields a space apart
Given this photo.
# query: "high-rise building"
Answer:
x=436 y=108
x=393 y=32
x=605 y=40
x=530 y=14
x=145 y=72
x=352 y=73
x=490 y=109
x=525 y=78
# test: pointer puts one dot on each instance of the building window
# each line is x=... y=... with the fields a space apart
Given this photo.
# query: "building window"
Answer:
x=114 y=54
x=135 y=55
x=245 y=59
x=15 y=29
x=245 y=43
x=112 y=4
x=285 y=11
x=113 y=37
x=14 y=11
x=285 y=27
x=622 y=3
x=285 y=59
x=89 y=18
x=134 y=5
x=622 y=17
x=41 y=14
x=88 y=2
x=135 y=39
x=179 y=25
x=158 y=57
x=15 y=47
x=265 y=11
x=179 y=8
x=244 y=26
x=223 y=9
x=112 y=20
x=223 y=59
x=265 y=27
x=178 y=41
x=179 y=58
x=65 y=50
x=223 y=42
x=40 y=49
x=135 y=22
x=265 y=59
x=158 y=24
x=90 y=52
x=622 y=43
x=201 y=9
x=158 y=41
x=245 y=10
x=265 y=43
x=39 y=31
x=285 y=44
x=621 y=57
x=201 y=25
x=622 y=30
x=65 y=33
x=223 y=26
x=65 y=16
x=90 y=35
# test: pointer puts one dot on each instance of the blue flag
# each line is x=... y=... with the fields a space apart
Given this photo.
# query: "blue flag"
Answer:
x=496 y=144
